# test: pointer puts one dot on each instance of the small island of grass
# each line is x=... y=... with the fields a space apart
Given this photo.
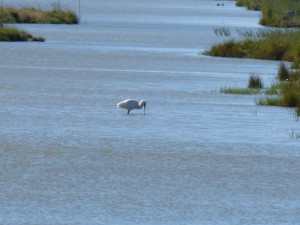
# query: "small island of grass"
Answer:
x=13 y=34
x=34 y=15
x=31 y=15
x=285 y=92
x=255 y=86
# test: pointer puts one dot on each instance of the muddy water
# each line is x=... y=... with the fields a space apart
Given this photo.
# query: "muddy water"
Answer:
x=68 y=156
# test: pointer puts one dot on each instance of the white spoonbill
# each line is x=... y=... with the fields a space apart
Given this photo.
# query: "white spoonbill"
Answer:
x=130 y=104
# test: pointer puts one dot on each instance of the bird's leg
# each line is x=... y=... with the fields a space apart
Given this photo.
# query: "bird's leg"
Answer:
x=128 y=111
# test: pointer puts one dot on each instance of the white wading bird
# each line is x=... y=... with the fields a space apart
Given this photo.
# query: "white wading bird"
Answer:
x=130 y=104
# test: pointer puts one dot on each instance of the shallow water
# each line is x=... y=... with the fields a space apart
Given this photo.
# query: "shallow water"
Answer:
x=68 y=156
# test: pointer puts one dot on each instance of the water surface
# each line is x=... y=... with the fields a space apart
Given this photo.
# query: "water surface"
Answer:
x=68 y=156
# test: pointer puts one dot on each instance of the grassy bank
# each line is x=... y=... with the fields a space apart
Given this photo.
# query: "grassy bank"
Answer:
x=33 y=15
x=275 y=13
x=13 y=34
x=263 y=44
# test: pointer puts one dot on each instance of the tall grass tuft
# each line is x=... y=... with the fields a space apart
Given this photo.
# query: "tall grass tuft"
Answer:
x=255 y=82
x=255 y=86
x=283 y=72
x=291 y=94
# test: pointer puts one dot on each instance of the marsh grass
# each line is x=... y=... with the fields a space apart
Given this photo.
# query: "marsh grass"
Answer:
x=280 y=13
x=255 y=86
x=60 y=16
x=287 y=93
x=34 y=15
x=269 y=101
x=283 y=72
x=13 y=34
x=274 y=89
x=31 y=15
x=283 y=93
x=275 y=13
x=294 y=134
x=240 y=91
x=271 y=44
x=264 y=44
x=290 y=93
x=255 y=82
x=289 y=97
x=250 y=4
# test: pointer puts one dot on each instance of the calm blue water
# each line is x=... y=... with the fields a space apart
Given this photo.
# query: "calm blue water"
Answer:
x=69 y=156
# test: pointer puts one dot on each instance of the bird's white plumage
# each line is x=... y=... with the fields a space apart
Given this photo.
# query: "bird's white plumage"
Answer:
x=130 y=104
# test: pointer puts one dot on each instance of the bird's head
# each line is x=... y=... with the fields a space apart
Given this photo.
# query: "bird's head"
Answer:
x=143 y=104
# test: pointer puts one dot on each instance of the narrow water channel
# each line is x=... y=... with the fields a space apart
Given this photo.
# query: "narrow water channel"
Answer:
x=69 y=156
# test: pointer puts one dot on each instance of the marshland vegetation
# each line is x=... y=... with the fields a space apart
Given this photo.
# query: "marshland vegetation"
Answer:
x=13 y=34
x=275 y=13
x=250 y=4
x=34 y=15
x=31 y=15
x=285 y=92
x=255 y=86
x=278 y=13
x=287 y=89
x=270 y=44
